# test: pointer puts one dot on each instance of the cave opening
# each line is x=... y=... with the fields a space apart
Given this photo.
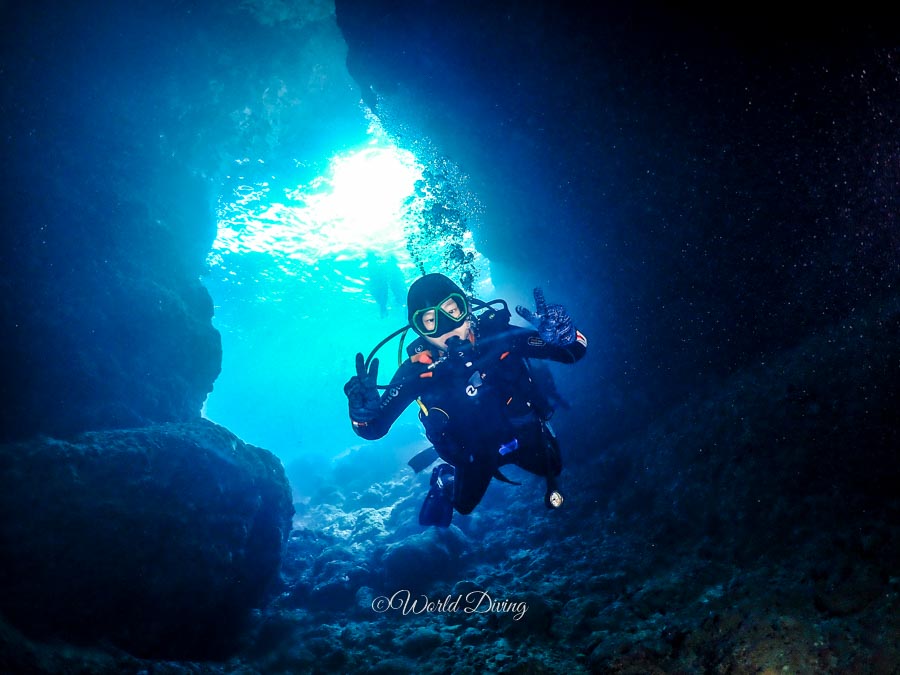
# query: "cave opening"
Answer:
x=310 y=266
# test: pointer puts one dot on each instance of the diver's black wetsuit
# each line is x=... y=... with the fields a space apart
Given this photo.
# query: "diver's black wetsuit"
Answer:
x=480 y=397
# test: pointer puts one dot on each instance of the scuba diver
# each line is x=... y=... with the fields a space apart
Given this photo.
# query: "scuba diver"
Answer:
x=479 y=404
x=385 y=277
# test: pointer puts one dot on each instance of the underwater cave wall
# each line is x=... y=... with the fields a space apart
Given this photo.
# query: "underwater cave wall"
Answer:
x=105 y=321
x=120 y=126
x=126 y=518
x=703 y=189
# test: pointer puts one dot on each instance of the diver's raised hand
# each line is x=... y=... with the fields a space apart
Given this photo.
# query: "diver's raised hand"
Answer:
x=553 y=323
x=362 y=391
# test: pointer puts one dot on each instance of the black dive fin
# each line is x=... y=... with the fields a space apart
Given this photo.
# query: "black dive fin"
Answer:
x=424 y=459
x=499 y=476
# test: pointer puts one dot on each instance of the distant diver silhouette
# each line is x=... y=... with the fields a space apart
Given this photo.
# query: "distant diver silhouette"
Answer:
x=385 y=277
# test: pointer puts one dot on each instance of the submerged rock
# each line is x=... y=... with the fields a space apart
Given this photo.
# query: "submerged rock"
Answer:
x=423 y=558
x=158 y=539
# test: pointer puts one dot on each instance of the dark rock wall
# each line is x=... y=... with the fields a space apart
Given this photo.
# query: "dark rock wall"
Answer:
x=707 y=187
x=125 y=518
x=105 y=322
x=120 y=125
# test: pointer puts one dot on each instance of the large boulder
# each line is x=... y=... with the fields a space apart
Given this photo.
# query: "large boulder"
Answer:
x=158 y=539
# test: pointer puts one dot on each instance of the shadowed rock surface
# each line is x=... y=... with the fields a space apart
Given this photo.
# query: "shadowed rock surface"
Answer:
x=158 y=540
x=708 y=187
x=755 y=529
x=126 y=519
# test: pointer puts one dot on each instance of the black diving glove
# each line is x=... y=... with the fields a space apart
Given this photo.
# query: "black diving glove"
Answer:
x=362 y=392
x=553 y=323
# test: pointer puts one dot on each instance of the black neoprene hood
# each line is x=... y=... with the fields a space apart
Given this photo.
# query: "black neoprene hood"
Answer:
x=430 y=291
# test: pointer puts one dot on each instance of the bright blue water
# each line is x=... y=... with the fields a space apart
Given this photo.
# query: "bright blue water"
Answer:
x=292 y=282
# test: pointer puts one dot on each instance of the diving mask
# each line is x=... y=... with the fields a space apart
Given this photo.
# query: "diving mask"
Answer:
x=446 y=316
